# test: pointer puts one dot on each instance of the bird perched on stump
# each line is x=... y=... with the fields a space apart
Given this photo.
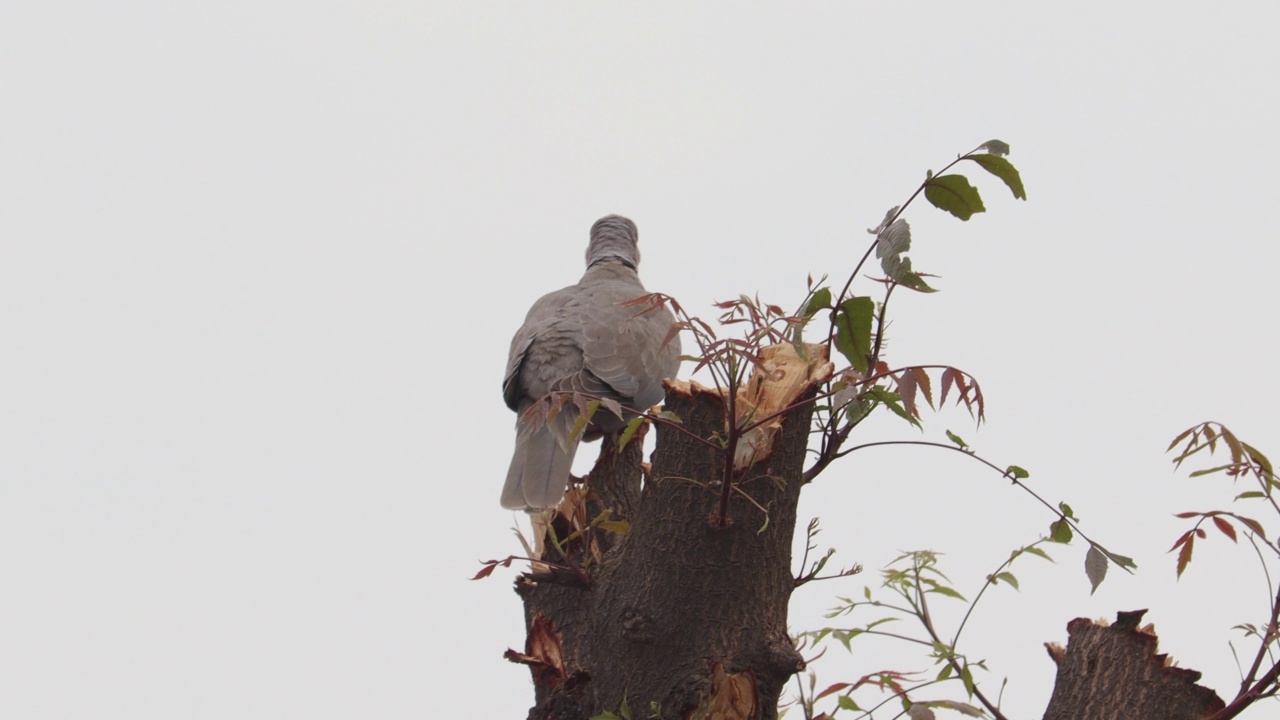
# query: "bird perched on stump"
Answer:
x=586 y=338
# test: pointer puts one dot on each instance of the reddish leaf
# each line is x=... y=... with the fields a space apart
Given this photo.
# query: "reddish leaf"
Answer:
x=907 y=391
x=833 y=689
x=922 y=379
x=1237 y=452
x=614 y=407
x=671 y=334
x=1254 y=525
x=1186 y=536
x=1185 y=515
x=1225 y=527
x=1180 y=438
x=948 y=377
x=1184 y=557
x=490 y=566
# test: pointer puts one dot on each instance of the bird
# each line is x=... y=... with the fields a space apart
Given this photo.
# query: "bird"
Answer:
x=585 y=338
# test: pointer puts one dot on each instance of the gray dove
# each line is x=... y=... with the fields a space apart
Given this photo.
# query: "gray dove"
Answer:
x=584 y=338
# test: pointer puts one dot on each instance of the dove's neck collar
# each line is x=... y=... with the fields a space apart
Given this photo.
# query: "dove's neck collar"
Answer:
x=613 y=238
x=603 y=259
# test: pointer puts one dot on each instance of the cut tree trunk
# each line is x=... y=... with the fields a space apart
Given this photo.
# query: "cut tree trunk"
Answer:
x=1112 y=672
x=685 y=613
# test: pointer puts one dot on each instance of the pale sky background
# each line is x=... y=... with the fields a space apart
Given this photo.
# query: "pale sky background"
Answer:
x=260 y=263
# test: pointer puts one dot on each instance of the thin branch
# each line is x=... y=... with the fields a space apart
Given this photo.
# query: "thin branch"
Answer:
x=950 y=658
x=955 y=639
x=884 y=306
x=993 y=466
x=1248 y=685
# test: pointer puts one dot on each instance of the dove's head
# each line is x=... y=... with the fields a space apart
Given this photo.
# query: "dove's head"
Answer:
x=614 y=237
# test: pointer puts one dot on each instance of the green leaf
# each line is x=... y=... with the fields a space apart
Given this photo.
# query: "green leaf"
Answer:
x=579 y=426
x=891 y=243
x=1009 y=578
x=1060 y=531
x=1210 y=471
x=962 y=708
x=1066 y=510
x=1125 y=562
x=954 y=194
x=915 y=280
x=858 y=410
x=893 y=212
x=967 y=676
x=957 y=440
x=1251 y=494
x=617 y=527
x=1258 y=458
x=1037 y=552
x=1004 y=170
x=821 y=298
x=853 y=330
x=1017 y=472
x=944 y=590
x=1095 y=567
x=893 y=402
x=629 y=432
x=844 y=638
x=670 y=417
x=995 y=147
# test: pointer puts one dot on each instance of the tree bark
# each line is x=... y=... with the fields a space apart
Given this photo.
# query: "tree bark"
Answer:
x=686 y=613
x=1112 y=672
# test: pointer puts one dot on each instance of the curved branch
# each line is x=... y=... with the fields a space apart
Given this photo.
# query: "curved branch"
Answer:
x=1004 y=473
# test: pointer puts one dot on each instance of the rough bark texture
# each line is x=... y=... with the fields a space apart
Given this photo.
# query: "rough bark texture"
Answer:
x=683 y=610
x=1112 y=672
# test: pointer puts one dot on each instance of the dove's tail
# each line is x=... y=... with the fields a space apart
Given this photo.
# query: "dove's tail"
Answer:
x=539 y=471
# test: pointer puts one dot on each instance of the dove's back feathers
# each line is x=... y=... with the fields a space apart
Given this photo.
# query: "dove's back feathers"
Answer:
x=584 y=338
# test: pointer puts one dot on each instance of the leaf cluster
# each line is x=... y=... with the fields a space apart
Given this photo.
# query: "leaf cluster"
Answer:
x=857 y=325
x=1245 y=462
x=1261 y=679
x=911 y=580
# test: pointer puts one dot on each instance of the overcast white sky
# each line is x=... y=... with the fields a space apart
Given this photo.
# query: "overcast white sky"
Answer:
x=260 y=263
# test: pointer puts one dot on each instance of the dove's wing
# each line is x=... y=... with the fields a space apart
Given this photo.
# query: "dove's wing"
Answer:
x=625 y=344
x=585 y=338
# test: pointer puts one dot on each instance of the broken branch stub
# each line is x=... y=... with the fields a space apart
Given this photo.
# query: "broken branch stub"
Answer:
x=1112 y=672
